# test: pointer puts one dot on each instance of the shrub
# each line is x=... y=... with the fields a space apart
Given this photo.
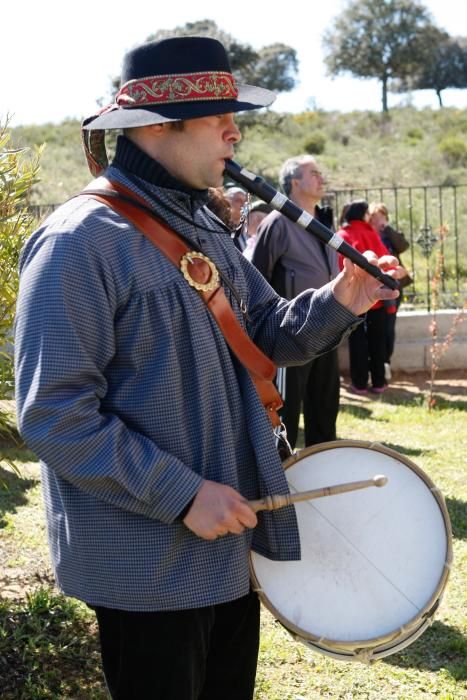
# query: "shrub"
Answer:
x=454 y=150
x=315 y=143
x=414 y=136
x=305 y=119
x=18 y=172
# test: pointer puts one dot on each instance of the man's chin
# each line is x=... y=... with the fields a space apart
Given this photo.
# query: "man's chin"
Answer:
x=216 y=181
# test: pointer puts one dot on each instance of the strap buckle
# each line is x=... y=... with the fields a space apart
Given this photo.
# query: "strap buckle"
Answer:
x=283 y=446
x=212 y=279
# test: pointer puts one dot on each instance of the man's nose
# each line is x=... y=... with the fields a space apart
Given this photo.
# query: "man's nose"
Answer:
x=232 y=131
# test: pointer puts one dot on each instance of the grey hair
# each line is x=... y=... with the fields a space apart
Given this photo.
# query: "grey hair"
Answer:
x=290 y=170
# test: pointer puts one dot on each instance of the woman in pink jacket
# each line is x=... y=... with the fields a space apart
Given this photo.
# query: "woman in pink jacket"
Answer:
x=367 y=343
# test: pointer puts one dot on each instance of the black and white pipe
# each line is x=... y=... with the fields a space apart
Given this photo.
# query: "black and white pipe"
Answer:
x=259 y=187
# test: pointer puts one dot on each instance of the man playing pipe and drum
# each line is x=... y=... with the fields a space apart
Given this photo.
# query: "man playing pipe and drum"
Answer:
x=152 y=422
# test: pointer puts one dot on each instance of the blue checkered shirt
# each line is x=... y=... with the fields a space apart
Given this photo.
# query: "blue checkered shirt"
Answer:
x=129 y=395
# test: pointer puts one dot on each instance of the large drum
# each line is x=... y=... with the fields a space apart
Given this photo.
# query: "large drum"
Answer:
x=375 y=562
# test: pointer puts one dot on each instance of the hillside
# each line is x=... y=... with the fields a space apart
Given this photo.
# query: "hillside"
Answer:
x=357 y=149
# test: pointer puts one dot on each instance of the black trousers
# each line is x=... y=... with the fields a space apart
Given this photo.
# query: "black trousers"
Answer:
x=315 y=386
x=390 y=323
x=367 y=350
x=200 y=654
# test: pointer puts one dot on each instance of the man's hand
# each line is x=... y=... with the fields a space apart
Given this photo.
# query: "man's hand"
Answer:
x=218 y=510
x=358 y=291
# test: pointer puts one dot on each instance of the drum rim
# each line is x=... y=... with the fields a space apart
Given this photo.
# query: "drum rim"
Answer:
x=369 y=654
x=410 y=628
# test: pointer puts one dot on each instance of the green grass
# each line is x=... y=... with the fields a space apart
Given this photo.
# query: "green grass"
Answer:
x=434 y=666
x=48 y=644
x=48 y=649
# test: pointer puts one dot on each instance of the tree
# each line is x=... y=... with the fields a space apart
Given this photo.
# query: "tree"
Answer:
x=274 y=67
x=445 y=67
x=383 y=39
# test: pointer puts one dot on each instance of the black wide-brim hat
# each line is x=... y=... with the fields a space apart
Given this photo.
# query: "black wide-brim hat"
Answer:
x=174 y=79
x=171 y=80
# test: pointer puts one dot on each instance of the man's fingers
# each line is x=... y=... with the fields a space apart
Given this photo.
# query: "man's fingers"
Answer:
x=388 y=262
x=247 y=516
x=371 y=257
x=217 y=510
x=241 y=517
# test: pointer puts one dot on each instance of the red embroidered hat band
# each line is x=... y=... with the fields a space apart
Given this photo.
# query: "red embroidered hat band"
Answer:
x=177 y=87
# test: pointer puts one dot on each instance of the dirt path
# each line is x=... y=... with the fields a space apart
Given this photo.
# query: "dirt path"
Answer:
x=448 y=384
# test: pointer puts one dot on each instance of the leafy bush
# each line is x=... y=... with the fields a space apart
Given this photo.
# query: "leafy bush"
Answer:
x=64 y=171
x=414 y=136
x=415 y=133
x=18 y=172
x=315 y=143
x=454 y=150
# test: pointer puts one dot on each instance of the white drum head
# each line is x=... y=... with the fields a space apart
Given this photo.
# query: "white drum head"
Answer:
x=373 y=562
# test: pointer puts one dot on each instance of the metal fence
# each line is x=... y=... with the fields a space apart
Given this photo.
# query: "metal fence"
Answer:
x=434 y=221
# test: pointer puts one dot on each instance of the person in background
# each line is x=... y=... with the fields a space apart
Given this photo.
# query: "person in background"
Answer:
x=367 y=344
x=151 y=433
x=396 y=243
x=257 y=212
x=292 y=260
x=237 y=198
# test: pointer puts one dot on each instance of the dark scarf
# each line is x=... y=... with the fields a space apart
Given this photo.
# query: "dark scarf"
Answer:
x=134 y=161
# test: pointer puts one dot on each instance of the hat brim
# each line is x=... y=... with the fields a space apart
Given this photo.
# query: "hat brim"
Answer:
x=249 y=97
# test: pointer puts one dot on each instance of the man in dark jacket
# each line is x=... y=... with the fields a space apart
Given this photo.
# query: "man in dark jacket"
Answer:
x=293 y=260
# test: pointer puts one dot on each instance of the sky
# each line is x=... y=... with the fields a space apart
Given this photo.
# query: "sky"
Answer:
x=57 y=59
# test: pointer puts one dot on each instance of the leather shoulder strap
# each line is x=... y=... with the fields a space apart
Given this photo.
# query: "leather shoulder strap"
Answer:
x=202 y=275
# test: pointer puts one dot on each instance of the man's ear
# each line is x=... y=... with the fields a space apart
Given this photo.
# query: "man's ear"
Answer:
x=145 y=137
x=135 y=133
x=156 y=129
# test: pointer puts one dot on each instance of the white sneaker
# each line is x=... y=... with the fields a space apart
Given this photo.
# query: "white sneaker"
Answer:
x=387 y=371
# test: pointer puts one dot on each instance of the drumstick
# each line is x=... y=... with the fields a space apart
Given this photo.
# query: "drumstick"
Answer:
x=279 y=501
